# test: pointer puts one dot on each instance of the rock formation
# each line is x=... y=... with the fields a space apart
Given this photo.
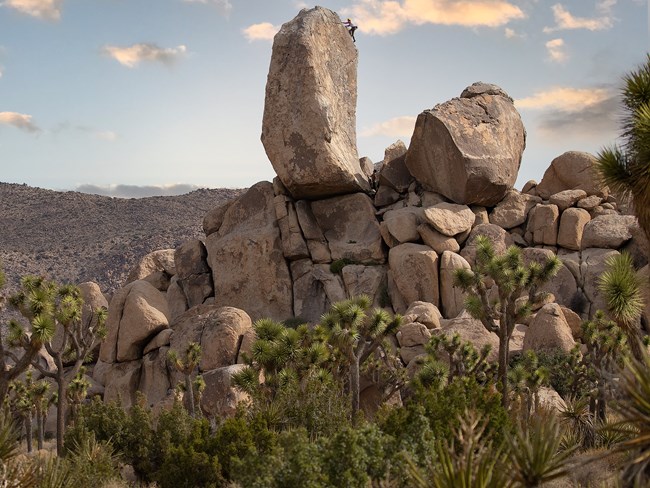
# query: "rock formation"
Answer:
x=315 y=236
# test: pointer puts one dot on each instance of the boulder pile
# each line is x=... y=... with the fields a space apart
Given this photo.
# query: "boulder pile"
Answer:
x=331 y=226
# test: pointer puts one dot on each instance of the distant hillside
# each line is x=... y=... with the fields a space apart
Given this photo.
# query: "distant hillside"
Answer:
x=76 y=237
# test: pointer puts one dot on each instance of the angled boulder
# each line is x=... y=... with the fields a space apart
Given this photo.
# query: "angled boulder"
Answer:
x=469 y=149
x=309 y=123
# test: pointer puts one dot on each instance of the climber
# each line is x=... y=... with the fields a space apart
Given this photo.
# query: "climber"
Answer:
x=351 y=28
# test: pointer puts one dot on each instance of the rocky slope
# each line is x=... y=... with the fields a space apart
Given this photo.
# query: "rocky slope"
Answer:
x=76 y=237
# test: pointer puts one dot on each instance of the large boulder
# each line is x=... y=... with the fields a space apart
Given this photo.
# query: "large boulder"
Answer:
x=572 y=170
x=246 y=257
x=513 y=209
x=469 y=149
x=309 y=125
x=137 y=313
x=221 y=397
x=223 y=333
x=350 y=227
x=315 y=289
x=156 y=261
x=452 y=298
x=394 y=173
x=472 y=330
x=414 y=269
x=572 y=225
x=608 y=231
x=449 y=219
x=549 y=330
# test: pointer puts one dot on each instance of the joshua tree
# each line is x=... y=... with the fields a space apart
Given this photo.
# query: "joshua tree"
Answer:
x=621 y=287
x=627 y=170
x=42 y=402
x=357 y=335
x=55 y=313
x=517 y=290
x=186 y=366
x=23 y=343
x=23 y=405
x=77 y=391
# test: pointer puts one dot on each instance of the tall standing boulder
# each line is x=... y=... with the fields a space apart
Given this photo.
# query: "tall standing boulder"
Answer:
x=570 y=171
x=309 y=124
x=469 y=149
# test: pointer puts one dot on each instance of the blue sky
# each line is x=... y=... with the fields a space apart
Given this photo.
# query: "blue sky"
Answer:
x=169 y=94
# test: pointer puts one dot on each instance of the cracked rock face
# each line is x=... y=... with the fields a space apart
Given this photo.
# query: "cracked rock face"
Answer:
x=309 y=125
x=469 y=149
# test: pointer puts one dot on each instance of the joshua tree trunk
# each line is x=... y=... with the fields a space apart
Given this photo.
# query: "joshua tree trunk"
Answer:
x=190 y=394
x=354 y=386
x=28 y=431
x=60 y=409
x=39 y=428
x=503 y=365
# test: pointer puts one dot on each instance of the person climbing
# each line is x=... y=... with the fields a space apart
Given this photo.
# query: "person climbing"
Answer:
x=351 y=28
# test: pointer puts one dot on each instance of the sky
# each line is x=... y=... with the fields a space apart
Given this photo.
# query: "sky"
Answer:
x=141 y=97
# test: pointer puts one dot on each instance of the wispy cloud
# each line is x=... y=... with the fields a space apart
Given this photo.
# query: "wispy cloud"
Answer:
x=384 y=17
x=135 y=191
x=42 y=9
x=395 y=127
x=106 y=135
x=264 y=31
x=564 y=20
x=224 y=6
x=556 y=51
x=20 y=121
x=578 y=111
x=512 y=34
x=133 y=55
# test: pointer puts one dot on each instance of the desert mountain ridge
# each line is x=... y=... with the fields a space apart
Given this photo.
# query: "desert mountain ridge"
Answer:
x=74 y=237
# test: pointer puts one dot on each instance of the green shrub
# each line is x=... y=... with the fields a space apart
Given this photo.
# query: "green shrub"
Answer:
x=337 y=266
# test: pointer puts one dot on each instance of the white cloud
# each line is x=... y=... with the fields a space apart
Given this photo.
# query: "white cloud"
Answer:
x=565 y=99
x=106 y=135
x=512 y=34
x=564 y=20
x=43 y=9
x=260 y=32
x=20 y=121
x=556 y=52
x=1 y=71
x=224 y=6
x=133 y=55
x=384 y=17
x=396 y=127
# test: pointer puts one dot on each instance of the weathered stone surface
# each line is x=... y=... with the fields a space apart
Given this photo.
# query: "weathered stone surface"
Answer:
x=394 y=172
x=315 y=289
x=452 y=298
x=316 y=242
x=424 y=313
x=366 y=280
x=437 y=241
x=367 y=166
x=155 y=378
x=562 y=286
x=530 y=187
x=160 y=340
x=590 y=202
x=570 y=171
x=543 y=223
x=469 y=149
x=480 y=215
x=549 y=399
x=409 y=353
x=499 y=238
x=197 y=288
x=388 y=238
x=429 y=199
x=293 y=243
x=309 y=126
x=516 y=344
x=449 y=219
x=100 y=370
x=122 y=381
x=413 y=334
x=608 y=231
x=549 y=330
x=221 y=398
x=162 y=260
x=592 y=266
x=471 y=330
x=385 y=196
x=222 y=333
x=249 y=269
x=567 y=198
x=572 y=224
x=414 y=268
x=190 y=258
x=513 y=209
x=137 y=313
x=214 y=218
x=574 y=321
x=176 y=299
x=403 y=223
x=349 y=224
